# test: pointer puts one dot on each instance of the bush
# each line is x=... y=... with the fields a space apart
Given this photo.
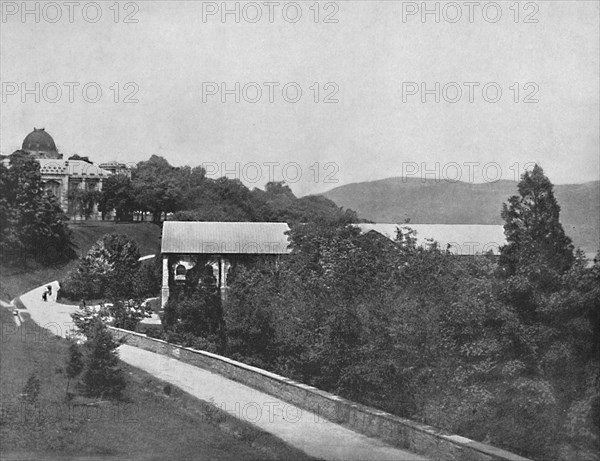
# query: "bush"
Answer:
x=121 y=314
x=31 y=390
x=108 y=270
x=148 y=278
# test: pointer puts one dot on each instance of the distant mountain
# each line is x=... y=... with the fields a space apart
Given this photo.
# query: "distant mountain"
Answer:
x=394 y=200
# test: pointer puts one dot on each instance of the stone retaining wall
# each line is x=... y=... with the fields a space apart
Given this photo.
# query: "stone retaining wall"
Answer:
x=394 y=430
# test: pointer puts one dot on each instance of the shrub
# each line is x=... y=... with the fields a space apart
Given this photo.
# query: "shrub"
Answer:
x=148 y=278
x=31 y=390
x=108 y=270
x=121 y=314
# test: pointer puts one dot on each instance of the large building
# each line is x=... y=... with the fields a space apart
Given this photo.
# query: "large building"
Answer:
x=64 y=178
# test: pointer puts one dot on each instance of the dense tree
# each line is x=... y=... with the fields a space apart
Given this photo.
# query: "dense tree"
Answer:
x=32 y=223
x=117 y=194
x=227 y=199
x=285 y=206
x=157 y=186
x=102 y=376
x=108 y=271
x=224 y=199
x=82 y=202
x=425 y=334
x=148 y=279
x=194 y=314
x=555 y=297
x=535 y=236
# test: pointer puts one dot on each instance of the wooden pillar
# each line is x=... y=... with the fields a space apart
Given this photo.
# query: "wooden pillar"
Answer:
x=165 y=281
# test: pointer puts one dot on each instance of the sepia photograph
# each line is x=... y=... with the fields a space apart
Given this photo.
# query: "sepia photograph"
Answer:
x=348 y=230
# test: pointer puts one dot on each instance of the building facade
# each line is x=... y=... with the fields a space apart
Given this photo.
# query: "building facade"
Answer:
x=70 y=180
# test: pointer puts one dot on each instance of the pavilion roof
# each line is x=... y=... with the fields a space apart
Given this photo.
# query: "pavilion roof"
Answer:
x=193 y=237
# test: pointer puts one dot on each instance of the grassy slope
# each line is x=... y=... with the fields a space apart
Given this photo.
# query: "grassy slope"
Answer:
x=16 y=281
x=146 y=424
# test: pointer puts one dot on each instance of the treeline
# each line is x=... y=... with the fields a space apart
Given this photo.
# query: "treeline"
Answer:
x=504 y=351
x=32 y=223
x=158 y=189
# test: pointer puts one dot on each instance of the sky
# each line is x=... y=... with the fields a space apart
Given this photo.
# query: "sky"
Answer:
x=328 y=93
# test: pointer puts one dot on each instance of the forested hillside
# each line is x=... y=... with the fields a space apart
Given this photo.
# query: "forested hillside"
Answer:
x=184 y=193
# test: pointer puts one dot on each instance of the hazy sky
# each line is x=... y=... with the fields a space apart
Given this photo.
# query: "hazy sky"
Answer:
x=370 y=61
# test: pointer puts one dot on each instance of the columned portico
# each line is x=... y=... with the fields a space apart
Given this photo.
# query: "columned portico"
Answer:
x=220 y=244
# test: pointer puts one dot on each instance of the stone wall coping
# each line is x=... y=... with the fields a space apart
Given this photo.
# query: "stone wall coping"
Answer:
x=487 y=452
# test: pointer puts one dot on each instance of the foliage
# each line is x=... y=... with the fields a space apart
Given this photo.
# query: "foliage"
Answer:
x=129 y=313
x=536 y=239
x=194 y=310
x=157 y=187
x=32 y=223
x=121 y=314
x=102 y=376
x=31 y=390
x=108 y=270
x=82 y=202
x=148 y=279
x=118 y=194
x=427 y=335
x=86 y=316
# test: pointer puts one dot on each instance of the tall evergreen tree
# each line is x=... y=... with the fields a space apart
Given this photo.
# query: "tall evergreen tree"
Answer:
x=535 y=236
x=102 y=377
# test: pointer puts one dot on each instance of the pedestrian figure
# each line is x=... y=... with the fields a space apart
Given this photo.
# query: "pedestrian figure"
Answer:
x=49 y=287
x=45 y=295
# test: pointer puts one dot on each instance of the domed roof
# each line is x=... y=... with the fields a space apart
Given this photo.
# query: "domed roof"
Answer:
x=38 y=141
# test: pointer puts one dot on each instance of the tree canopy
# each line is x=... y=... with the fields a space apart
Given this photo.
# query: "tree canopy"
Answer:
x=108 y=271
x=32 y=223
x=533 y=230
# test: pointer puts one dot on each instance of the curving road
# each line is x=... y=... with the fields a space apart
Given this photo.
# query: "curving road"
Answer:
x=299 y=428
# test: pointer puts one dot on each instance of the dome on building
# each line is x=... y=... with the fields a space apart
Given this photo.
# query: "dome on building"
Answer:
x=40 y=144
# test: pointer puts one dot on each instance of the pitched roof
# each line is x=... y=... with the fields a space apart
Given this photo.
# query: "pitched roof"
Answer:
x=462 y=239
x=192 y=237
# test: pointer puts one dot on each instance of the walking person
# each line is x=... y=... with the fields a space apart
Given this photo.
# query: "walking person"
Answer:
x=45 y=295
